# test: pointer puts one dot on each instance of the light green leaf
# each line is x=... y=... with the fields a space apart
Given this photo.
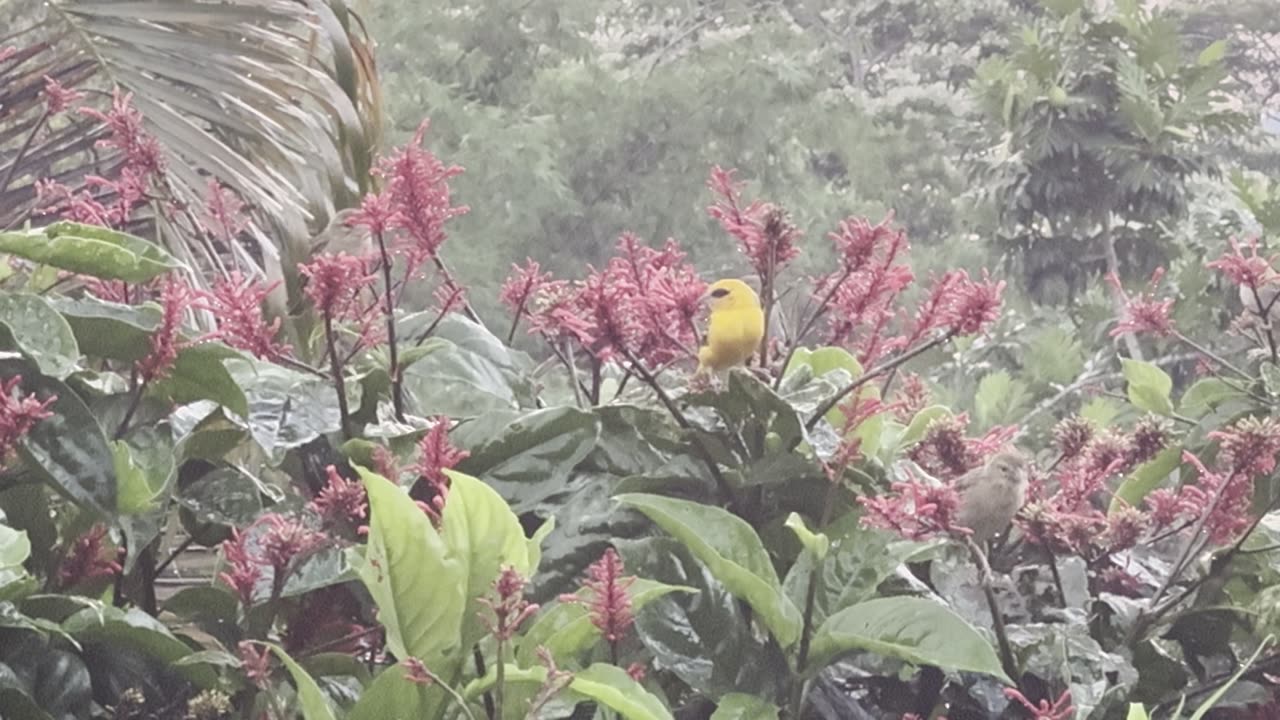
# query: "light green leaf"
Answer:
x=612 y=687
x=1213 y=54
x=916 y=630
x=311 y=699
x=1137 y=712
x=824 y=360
x=482 y=534
x=731 y=550
x=741 y=706
x=999 y=398
x=198 y=373
x=15 y=547
x=816 y=543
x=392 y=696
x=1205 y=396
x=1149 y=386
x=418 y=586
x=40 y=332
x=1145 y=478
x=920 y=424
x=91 y=250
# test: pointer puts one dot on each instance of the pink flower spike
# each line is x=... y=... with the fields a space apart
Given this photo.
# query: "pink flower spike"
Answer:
x=236 y=302
x=765 y=234
x=224 y=215
x=1144 y=313
x=522 y=285
x=375 y=214
x=175 y=296
x=19 y=413
x=509 y=608
x=417 y=188
x=1061 y=709
x=1250 y=270
x=607 y=601
x=341 y=501
x=255 y=660
x=975 y=304
x=88 y=559
x=58 y=97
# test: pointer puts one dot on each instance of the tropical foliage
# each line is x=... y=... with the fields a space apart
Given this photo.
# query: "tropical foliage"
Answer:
x=248 y=472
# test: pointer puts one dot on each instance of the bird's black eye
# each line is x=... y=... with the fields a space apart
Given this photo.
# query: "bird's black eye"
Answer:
x=719 y=293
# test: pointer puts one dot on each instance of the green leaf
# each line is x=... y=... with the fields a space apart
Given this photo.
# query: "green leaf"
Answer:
x=613 y=688
x=1149 y=386
x=527 y=457
x=198 y=373
x=138 y=631
x=311 y=700
x=224 y=496
x=999 y=398
x=41 y=333
x=1206 y=396
x=419 y=588
x=15 y=548
x=392 y=696
x=1145 y=478
x=68 y=450
x=920 y=424
x=482 y=533
x=1137 y=712
x=1213 y=54
x=741 y=706
x=816 y=543
x=455 y=381
x=732 y=552
x=91 y=250
x=138 y=488
x=915 y=630
x=110 y=330
x=286 y=408
x=825 y=360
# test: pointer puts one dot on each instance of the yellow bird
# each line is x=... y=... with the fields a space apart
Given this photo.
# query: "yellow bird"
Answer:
x=735 y=328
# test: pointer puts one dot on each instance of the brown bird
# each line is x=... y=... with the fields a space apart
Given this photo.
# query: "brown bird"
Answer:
x=990 y=496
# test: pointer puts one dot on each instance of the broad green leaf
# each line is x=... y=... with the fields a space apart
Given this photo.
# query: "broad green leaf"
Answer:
x=140 y=632
x=110 y=330
x=816 y=543
x=753 y=407
x=613 y=688
x=607 y=685
x=1145 y=478
x=824 y=360
x=732 y=552
x=392 y=696
x=15 y=548
x=527 y=457
x=287 y=408
x=419 y=588
x=224 y=496
x=1205 y=396
x=483 y=535
x=915 y=630
x=198 y=373
x=41 y=333
x=457 y=382
x=313 y=703
x=68 y=450
x=91 y=250
x=1149 y=386
x=741 y=706
x=137 y=487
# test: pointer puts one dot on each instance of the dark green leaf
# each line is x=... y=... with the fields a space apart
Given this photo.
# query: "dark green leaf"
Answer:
x=41 y=333
x=732 y=552
x=287 y=409
x=224 y=496
x=915 y=630
x=110 y=330
x=741 y=706
x=199 y=373
x=139 y=631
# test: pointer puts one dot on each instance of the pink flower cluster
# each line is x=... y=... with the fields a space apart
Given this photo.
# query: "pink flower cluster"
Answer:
x=765 y=235
x=915 y=509
x=607 y=601
x=1145 y=313
x=19 y=413
x=342 y=288
x=436 y=454
x=88 y=559
x=859 y=298
x=342 y=502
x=236 y=303
x=166 y=340
x=508 y=607
x=947 y=452
x=643 y=303
x=272 y=542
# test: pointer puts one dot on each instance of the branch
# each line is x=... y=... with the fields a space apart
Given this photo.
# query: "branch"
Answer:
x=867 y=377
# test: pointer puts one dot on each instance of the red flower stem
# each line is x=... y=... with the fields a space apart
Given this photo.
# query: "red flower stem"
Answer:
x=335 y=369
x=22 y=151
x=134 y=402
x=499 y=679
x=867 y=377
x=448 y=279
x=1264 y=311
x=422 y=336
x=389 y=315
x=515 y=320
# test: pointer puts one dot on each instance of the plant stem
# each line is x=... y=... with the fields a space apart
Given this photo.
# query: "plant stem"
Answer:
x=997 y=618
x=389 y=315
x=335 y=369
x=478 y=657
x=802 y=656
x=870 y=375
x=467 y=310
x=22 y=151
x=500 y=679
x=134 y=402
x=173 y=554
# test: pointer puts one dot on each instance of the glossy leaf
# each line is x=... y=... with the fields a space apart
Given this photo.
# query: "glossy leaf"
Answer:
x=139 y=631
x=527 y=457
x=920 y=424
x=41 y=333
x=15 y=548
x=419 y=588
x=199 y=373
x=915 y=630
x=613 y=688
x=286 y=408
x=1145 y=478
x=391 y=696
x=732 y=552
x=741 y=706
x=90 y=250
x=1148 y=386
x=68 y=450
x=224 y=496
x=110 y=330
x=311 y=700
